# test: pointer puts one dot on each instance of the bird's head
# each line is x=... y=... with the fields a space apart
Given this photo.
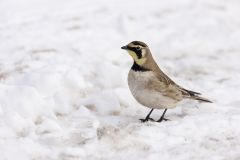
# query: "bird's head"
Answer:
x=138 y=50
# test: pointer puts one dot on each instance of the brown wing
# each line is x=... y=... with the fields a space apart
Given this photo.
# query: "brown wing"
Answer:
x=165 y=87
x=177 y=92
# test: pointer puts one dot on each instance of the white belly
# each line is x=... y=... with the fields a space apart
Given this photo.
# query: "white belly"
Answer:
x=138 y=81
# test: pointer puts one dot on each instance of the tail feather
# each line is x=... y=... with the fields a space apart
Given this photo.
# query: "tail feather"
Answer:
x=201 y=99
x=194 y=95
x=188 y=92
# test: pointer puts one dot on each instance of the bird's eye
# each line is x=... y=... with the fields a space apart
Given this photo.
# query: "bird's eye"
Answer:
x=138 y=48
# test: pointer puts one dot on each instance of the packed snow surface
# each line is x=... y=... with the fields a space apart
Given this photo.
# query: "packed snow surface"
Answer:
x=63 y=79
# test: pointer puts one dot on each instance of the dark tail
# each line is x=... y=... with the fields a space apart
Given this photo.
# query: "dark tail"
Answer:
x=201 y=99
x=194 y=95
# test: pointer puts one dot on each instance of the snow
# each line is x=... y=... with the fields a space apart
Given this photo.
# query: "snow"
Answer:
x=63 y=79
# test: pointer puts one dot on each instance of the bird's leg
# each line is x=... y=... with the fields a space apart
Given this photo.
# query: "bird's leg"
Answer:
x=162 y=117
x=148 y=117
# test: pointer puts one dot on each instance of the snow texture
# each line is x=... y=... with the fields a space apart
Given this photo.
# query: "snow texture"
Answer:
x=63 y=87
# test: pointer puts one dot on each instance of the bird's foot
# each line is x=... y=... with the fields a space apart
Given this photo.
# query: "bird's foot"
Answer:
x=163 y=119
x=146 y=119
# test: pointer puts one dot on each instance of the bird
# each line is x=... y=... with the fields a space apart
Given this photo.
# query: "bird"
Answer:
x=150 y=86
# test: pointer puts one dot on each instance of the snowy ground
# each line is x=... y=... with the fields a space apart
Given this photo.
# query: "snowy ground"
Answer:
x=63 y=88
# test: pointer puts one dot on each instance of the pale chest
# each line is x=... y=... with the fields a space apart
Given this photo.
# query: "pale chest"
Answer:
x=138 y=80
x=139 y=83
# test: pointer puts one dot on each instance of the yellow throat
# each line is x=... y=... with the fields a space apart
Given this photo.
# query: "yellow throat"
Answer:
x=140 y=61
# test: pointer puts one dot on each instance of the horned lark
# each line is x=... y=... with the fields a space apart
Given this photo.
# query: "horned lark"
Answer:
x=150 y=86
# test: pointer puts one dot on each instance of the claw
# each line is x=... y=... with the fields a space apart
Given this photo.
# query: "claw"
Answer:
x=147 y=119
x=163 y=119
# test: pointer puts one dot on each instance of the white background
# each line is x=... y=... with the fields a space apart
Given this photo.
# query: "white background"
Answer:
x=63 y=79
